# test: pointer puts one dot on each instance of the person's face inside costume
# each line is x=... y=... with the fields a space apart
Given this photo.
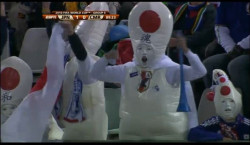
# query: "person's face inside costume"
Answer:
x=150 y=30
x=227 y=109
x=227 y=100
x=145 y=55
x=7 y=109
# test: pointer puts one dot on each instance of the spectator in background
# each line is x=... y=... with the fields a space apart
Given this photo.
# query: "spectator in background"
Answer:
x=124 y=10
x=18 y=16
x=233 y=34
x=3 y=27
x=229 y=123
x=34 y=17
x=173 y=5
x=196 y=20
x=214 y=47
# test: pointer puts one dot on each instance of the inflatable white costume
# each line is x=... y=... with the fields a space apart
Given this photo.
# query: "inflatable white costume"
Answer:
x=229 y=123
x=227 y=99
x=150 y=84
x=83 y=115
x=16 y=82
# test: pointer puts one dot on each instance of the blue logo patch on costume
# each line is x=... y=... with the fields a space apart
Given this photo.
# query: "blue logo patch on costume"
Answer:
x=133 y=74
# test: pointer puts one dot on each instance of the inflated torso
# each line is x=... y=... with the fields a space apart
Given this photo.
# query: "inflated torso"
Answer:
x=95 y=125
x=151 y=114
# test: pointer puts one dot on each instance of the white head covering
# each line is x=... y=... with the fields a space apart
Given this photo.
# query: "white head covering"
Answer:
x=227 y=99
x=91 y=32
x=150 y=26
x=16 y=81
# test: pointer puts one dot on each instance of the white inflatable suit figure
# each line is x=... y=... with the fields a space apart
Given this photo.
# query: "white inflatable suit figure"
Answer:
x=227 y=99
x=149 y=41
x=92 y=123
x=16 y=82
x=150 y=83
x=90 y=32
x=113 y=8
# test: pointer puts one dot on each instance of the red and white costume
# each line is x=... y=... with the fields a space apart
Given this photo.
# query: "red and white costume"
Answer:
x=150 y=83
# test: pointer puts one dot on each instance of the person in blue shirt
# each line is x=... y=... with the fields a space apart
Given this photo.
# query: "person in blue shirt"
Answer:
x=229 y=124
x=233 y=34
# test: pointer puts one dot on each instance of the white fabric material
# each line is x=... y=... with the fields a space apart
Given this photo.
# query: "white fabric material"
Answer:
x=245 y=43
x=135 y=109
x=162 y=120
x=156 y=40
x=87 y=29
x=75 y=111
x=55 y=132
x=117 y=74
x=34 y=48
x=28 y=122
x=10 y=99
x=85 y=67
x=193 y=115
x=221 y=101
x=224 y=38
x=95 y=127
x=25 y=82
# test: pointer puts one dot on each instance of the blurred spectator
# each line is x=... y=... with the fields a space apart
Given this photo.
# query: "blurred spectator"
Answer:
x=229 y=123
x=216 y=4
x=18 y=16
x=3 y=27
x=233 y=34
x=124 y=10
x=214 y=47
x=34 y=17
x=173 y=5
x=196 y=20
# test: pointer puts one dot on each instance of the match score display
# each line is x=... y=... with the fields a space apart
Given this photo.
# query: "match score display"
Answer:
x=81 y=15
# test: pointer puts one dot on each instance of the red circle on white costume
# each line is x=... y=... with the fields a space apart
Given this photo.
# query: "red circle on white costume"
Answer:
x=10 y=78
x=222 y=79
x=150 y=21
x=225 y=90
x=210 y=96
